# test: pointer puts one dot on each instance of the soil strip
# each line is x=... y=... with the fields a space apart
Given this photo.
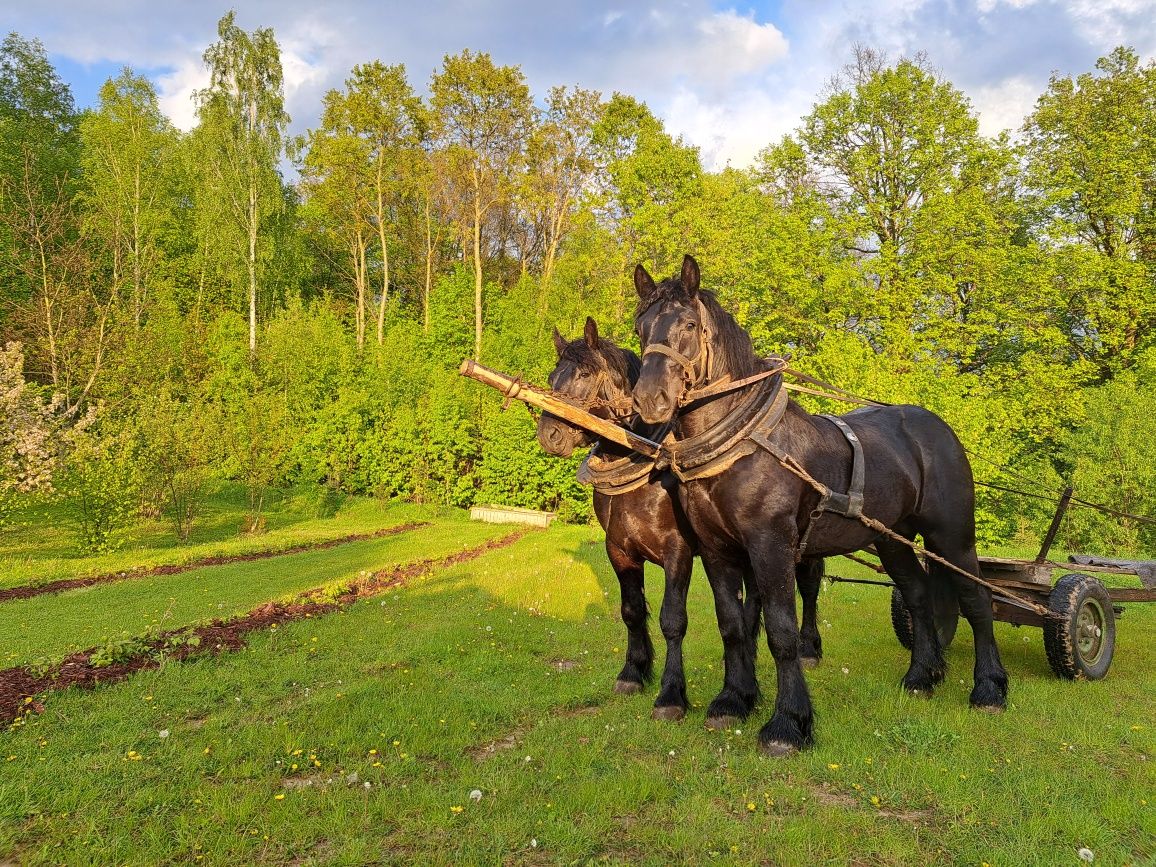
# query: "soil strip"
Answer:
x=22 y=690
x=27 y=591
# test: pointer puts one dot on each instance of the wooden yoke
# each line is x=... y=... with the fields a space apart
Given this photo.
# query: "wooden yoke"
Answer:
x=515 y=389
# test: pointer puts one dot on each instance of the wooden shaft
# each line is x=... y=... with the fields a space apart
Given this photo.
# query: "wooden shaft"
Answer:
x=514 y=388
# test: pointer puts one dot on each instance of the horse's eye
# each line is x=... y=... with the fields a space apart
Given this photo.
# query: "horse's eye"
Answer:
x=583 y=374
x=690 y=326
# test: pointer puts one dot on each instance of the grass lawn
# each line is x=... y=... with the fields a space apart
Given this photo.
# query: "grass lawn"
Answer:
x=359 y=737
x=42 y=546
x=47 y=628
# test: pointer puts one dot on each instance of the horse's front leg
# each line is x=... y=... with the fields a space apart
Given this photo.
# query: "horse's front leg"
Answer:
x=740 y=688
x=809 y=577
x=790 y=728
x=672 y=702
x=639 y=650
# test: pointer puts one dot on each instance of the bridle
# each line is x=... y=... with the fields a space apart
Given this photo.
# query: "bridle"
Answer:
x=619 y=408
x=696 y=370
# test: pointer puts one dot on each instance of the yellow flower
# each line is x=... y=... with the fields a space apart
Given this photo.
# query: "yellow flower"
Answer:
x=456 y=809
x=280 y=796
x=751 y=806
x=874 y=800
x=397 y=743
x=832 y=766
x=373 y=752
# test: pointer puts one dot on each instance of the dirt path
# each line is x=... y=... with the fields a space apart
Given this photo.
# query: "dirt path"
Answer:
x=22 y=690
x=27 y=591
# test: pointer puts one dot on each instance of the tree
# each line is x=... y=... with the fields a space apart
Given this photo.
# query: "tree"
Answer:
x=361 y=169
x=483 y=115
x=243 y=114
x=560 y=167
x=34 y=433
x=127 y=148
x=898 y=155
x=1091 y=173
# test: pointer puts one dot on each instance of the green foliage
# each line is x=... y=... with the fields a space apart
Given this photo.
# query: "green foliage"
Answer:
x=101 y=484
x=308 y=338
x=516 y=475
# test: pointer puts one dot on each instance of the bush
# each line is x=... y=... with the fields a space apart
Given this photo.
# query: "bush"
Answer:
x=101 y=486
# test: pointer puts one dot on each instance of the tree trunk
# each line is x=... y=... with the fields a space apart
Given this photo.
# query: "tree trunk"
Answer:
x=477 y=277
x=252 y=269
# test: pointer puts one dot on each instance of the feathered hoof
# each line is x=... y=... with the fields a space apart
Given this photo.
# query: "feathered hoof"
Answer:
x=669 y=712
x=809 y=662
x=627 y=687
x=777 y=749
x=719 y=723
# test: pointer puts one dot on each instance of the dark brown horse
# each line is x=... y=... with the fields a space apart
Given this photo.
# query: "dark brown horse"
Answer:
x=646 y=523
x=755 y=515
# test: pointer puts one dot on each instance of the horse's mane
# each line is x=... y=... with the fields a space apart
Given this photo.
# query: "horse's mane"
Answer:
x=609 y=355
x=730 y=342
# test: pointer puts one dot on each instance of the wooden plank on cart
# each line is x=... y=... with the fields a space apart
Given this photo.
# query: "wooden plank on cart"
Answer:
x=998 y=569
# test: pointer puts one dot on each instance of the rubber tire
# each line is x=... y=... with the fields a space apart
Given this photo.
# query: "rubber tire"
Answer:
x=1075 y=595
x=945 y=604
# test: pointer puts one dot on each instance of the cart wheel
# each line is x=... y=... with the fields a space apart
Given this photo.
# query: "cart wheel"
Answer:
x=944 y=603
x=1080 y=629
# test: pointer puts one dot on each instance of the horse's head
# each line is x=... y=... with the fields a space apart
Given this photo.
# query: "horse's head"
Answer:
x=593 y=373
x=674 y=327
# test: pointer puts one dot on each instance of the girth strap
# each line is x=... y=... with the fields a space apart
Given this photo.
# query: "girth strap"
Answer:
x=850 y=503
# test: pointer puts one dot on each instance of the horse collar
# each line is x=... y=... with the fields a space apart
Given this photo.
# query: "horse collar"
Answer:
x=714 y=451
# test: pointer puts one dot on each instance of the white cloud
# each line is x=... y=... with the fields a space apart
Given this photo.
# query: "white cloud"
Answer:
x=731 y=81
x=1004 y=105
x=734 y=46
x=175 y=91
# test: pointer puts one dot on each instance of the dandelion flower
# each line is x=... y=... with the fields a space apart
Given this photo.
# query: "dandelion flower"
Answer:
x=456 y=809
x=280 y=796
x=832 y=766
x=751 y=806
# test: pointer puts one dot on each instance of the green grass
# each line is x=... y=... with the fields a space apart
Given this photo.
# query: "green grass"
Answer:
x=49 y=627
x=42 y=546
x=495 y=676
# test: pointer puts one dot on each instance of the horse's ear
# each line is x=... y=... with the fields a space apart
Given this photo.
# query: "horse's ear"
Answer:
x=591 y=333
x=643 y=282
x=559 y=342
x=690 y=275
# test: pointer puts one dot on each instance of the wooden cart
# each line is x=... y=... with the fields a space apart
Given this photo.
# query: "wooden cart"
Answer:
x=1080 y=626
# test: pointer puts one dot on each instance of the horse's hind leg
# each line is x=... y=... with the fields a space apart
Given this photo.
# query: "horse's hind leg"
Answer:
x=809 y=578
x=672 y=702
x=990 y=690
x=639 y=650
x=927 y=664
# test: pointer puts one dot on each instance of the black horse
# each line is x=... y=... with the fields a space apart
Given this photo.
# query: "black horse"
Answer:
x=755 y=515
x=645 y=522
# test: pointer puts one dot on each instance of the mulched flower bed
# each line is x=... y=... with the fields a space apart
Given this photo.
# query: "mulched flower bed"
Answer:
x=22 y=690
x=27 y=591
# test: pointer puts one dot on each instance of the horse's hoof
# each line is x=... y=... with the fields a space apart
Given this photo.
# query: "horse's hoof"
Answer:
x=719 y=723
x=669 y=712
x=990 y=708
x=777 y=749
x=627 y=687
x=809 y=661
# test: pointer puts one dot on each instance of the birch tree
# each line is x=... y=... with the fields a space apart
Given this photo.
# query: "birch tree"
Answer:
x=483 y=114
x=243 y=113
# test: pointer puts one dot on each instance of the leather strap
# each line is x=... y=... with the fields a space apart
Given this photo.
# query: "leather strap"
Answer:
x=851 y=503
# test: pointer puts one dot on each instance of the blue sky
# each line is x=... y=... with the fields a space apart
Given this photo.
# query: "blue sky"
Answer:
x=729 y=77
